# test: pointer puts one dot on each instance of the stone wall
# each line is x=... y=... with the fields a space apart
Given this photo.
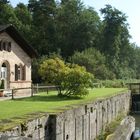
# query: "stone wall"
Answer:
x=124 y=130
x=88 y=121
x=84 y=122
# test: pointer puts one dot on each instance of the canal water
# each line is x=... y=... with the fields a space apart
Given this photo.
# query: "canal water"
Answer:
x=137 y=119
x=135 y=108
x=136 y=134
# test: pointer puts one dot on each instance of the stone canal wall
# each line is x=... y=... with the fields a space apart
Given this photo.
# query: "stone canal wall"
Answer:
x=124 y=130
x=84 y=122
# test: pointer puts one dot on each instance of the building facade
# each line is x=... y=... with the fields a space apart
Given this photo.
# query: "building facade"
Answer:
x=15 y=59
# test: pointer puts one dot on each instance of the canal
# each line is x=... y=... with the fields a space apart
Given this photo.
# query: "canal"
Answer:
x=136 y=134
x=137 y=119
x=135 y=108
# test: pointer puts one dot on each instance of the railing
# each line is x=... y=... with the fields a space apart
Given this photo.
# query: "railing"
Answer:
x=97 y=85
x=36 y=88
x=134 y=87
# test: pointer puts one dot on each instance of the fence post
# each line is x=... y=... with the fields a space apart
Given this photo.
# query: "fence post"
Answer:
x=12 y=94
x=32 y=90
x=37 y=87
x=47 y=90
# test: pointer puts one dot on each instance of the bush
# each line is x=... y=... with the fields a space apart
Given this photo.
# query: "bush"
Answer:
x=94 y=62
x=72 y=80
x=113 y=83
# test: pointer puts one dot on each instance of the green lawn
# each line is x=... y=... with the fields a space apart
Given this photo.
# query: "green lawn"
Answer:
x=19 y=109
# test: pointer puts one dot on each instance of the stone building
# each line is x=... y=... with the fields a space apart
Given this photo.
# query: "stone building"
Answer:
x=15 y=59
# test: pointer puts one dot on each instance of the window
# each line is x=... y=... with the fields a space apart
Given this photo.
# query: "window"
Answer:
x=9 y=47
x=3 y=71
x=6 y=46
x=16 y=72
x=1 y=46
x=24 y=72
x=20 y=72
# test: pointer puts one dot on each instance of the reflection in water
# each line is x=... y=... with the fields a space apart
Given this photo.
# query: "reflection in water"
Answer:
x=136 y=134
x=137 y=119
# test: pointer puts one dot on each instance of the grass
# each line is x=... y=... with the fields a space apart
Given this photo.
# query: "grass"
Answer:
x=110 y=128
x=21 y=109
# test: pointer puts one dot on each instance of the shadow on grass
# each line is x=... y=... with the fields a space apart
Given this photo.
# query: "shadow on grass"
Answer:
x=48 y=98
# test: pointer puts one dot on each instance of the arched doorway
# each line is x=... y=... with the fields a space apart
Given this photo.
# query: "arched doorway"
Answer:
x=5 y=74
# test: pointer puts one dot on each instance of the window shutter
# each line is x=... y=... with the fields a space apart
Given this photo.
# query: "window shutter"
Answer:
x=16 y=72
x=9 y=47
x=1 y=46
x=24 y=72
x=4 y=46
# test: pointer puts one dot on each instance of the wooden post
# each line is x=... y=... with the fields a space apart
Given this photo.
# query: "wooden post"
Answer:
x=37 y=87
x=12 y=94
x=32 y=90
x=130 y=86
x=139 y=88
x=47 y=90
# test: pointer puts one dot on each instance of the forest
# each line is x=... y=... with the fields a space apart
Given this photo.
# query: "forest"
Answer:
x=77 y=34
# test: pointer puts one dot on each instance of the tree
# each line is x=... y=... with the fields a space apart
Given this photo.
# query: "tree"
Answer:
x=7 y=15
x=94 y=62
x=43 y=13
x=24 y=16
x=113 y=21
x=115 y=35
x=4 y=2
x=77 y=27
x=71 y=80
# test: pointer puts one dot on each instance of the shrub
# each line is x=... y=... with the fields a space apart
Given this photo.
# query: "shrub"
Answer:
x=72 y=80
x=113 y=83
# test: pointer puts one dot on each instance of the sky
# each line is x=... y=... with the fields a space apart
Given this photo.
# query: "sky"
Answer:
x=130 y=7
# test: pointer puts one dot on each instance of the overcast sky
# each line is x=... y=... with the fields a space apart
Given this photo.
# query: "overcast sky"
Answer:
x=130 y=7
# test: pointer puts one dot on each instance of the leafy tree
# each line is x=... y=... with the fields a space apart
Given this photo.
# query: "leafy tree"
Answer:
x=36 y=78
x=4 y=2
x=71 y=80
x=7 y=15
x=115 y=36
x=23 y=14
x=77 y=27
x=43 y=13
x=25 y=17
x=94 y=62
x=113 y=21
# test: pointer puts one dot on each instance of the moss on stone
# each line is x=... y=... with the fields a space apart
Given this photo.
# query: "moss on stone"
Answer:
x=107 y=134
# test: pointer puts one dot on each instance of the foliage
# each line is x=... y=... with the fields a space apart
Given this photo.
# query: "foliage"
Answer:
x=110 y=128
x=77 y=27
x=7 y=15
x=35 y=71
x=113 y=83
x=116 y=42
x=93 y=61
x=71 y=80
x=70 y=28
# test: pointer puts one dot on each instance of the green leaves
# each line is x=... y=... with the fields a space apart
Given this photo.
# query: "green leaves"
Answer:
x=93 y=61
x=72 y=80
